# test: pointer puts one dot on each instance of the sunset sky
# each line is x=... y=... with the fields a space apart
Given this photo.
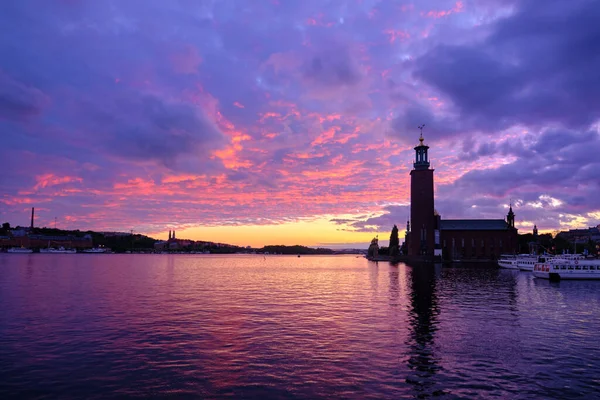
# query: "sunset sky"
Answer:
x=294 y=122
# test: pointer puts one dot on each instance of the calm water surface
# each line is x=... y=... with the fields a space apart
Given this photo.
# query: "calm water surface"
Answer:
x=163 y=326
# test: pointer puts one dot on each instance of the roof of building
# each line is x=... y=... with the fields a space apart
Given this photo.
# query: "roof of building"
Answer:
x=473 y=224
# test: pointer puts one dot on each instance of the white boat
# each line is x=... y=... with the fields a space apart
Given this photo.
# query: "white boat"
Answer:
x=558 y=268
x=508 y=261
x=526 y=262
x=19 y=250
x=60 y=250
x=96 y=250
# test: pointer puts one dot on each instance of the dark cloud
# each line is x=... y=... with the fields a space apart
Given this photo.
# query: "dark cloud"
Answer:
x=331 y=66
x=146 y=127
x=538 y=66
x=404 y=126
x=19 y=101
x=554 y=176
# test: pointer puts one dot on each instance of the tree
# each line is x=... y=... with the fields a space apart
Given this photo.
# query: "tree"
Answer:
x=6 y=226
x=394 y=242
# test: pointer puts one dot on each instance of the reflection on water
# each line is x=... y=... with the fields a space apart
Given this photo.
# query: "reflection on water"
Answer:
x=112 y=326
x=422 y=360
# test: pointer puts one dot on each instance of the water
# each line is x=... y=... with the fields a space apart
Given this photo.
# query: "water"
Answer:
x=161 y=326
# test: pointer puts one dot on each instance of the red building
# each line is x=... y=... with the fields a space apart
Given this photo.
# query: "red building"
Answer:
x=462 y=239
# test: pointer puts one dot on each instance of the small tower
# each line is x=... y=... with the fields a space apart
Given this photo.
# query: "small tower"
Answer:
x=535 y=233
x=510 y=217
x=169 y=234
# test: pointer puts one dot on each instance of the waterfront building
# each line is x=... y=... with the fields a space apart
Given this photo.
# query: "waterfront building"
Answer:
x=34 y=241
x=428 y=236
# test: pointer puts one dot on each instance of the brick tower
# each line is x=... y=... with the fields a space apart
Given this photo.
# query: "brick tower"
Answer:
x=423 y=222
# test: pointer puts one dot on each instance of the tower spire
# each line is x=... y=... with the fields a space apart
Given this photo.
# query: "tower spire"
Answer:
x=510 y=217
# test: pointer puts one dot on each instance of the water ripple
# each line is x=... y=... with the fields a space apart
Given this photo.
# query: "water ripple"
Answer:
x=114 y=326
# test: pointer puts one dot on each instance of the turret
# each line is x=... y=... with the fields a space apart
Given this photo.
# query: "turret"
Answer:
x=421 y=160
x=510 y=217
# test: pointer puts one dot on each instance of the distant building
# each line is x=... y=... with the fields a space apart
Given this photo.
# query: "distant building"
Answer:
x=429 y=236
x=160 y=245
x=113 y=234
x=581 y=236
x=35 y=241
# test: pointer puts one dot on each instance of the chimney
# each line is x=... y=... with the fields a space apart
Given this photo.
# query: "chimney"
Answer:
x=32 y=214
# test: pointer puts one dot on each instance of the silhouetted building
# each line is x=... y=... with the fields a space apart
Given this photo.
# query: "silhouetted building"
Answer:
x=581 y=236
x=451 y=239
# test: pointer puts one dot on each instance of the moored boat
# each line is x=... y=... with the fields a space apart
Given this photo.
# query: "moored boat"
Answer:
x=60 y=250
x=567 y=268
x=508 y=261
x=96 y=250
x=22 y=250
x=526 y=262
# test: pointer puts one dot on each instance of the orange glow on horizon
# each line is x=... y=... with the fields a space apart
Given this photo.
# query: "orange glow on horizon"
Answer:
x=314 y=233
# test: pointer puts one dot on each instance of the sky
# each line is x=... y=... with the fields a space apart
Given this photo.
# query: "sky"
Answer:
x=294 y=122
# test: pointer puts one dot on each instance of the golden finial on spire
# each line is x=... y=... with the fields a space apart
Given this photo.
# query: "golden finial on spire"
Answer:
x=421 y=129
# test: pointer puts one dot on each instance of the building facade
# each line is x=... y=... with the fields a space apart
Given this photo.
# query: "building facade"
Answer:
x=428 y=235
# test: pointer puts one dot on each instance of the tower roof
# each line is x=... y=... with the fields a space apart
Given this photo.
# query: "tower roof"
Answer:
x=473 y=224
x=421 y=158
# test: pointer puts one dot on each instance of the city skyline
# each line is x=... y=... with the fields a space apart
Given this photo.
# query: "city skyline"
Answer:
x=288 y=122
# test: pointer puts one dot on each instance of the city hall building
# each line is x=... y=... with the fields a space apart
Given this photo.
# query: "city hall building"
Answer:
x=428 y=236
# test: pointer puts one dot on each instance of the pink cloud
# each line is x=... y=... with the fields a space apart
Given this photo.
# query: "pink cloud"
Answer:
x=394 y=35
x=48 y=180
x=458 y=7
